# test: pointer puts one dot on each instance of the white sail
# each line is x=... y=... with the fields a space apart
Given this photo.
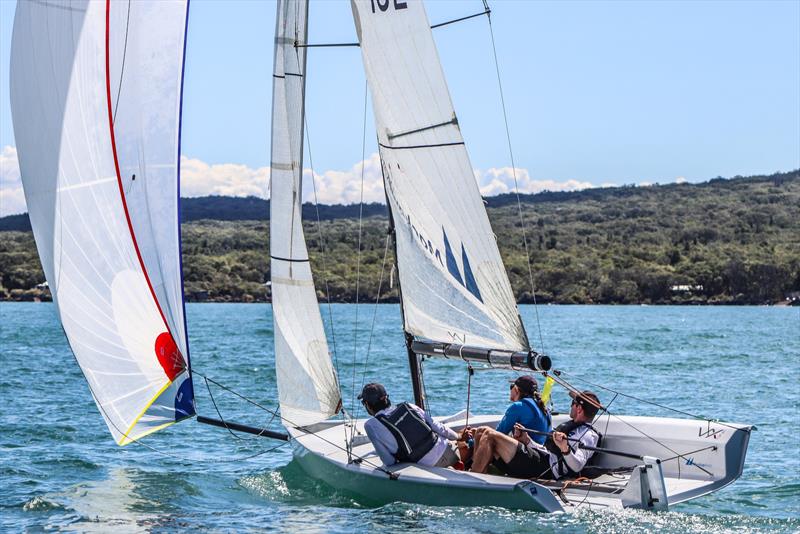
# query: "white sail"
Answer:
x=95 y=97
x=454 y=285
x=307 y=384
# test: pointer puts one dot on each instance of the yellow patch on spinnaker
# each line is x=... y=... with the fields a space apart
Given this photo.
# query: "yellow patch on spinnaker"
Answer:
x=126 y=437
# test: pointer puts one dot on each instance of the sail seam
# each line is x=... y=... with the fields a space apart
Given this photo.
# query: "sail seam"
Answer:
x=420 y=146
x=116 y=168
x=290 y=259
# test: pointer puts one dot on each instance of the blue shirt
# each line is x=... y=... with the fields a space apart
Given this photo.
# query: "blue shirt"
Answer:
x=529 y=415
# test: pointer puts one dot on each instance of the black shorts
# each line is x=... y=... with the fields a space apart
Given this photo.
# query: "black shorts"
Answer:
x=526 y=463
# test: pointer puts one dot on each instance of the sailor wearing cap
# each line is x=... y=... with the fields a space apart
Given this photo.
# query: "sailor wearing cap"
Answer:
x=406 y=433
x=562 y=455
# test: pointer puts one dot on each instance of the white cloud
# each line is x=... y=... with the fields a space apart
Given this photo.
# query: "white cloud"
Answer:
x=496 y=181
x=12 y=199
x=344 y=187
x=198 y=178
x=680 y=180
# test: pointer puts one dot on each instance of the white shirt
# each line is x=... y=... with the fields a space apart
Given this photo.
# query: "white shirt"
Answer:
x=576 y=457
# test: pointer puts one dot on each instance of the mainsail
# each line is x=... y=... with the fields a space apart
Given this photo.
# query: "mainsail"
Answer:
x=95 y=96
x=454 y=285
x=307 y=384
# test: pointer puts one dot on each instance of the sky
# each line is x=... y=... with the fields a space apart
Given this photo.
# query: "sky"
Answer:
x=597 y=94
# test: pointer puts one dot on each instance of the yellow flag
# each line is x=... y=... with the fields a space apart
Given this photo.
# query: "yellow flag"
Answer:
x=547 y=389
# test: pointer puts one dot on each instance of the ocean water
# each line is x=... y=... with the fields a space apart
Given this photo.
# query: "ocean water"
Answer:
x=60 y=469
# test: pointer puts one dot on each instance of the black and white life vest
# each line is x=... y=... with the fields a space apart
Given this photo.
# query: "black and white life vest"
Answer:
x=414 y=436
x=567 y=428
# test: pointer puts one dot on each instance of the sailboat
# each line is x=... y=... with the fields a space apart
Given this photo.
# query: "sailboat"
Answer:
x=99 y=155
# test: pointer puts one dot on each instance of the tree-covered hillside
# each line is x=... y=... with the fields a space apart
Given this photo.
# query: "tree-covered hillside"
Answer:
x=723 y=241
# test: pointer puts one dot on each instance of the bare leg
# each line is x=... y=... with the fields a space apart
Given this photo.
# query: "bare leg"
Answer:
x=492 y=445
x=479 y=432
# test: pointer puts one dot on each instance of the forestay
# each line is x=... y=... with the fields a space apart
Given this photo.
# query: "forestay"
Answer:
x=95 y=97
x=307 y=384
x=454 y=285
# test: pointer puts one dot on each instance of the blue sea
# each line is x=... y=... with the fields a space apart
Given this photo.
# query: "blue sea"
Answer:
x=60 y=469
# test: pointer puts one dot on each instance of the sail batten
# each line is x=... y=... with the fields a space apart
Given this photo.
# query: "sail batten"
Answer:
x=95 y=107
x=454 y=284
x=307 y=385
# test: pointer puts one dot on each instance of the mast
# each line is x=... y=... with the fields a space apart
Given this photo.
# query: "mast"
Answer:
x=414 y=366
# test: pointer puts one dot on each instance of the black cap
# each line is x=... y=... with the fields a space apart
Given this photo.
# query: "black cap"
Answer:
x=589 y=401
x=526 y=384
x=372 y=393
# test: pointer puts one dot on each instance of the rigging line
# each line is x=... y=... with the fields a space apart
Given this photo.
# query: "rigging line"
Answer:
x=216 y=408
x=516 y=183
x=295 y=426
x=122 y=68
x=470 y=372
x=486 y=11
x=712 y=447
x=323 y=255
x=569 y=386
x=374 y=316
x=653 y=403
x=358 y=250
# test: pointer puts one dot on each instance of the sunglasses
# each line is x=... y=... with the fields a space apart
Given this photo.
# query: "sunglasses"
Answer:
x=512 y=387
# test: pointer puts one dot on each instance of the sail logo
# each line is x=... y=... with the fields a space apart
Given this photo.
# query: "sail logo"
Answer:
x=468 y=280
x=383 y=5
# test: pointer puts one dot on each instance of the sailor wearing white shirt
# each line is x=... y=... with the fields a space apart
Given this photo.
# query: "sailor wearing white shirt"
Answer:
x=562 y=454
x=565 y=448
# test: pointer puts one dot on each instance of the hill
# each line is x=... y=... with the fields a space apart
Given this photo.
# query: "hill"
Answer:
x=723 y=241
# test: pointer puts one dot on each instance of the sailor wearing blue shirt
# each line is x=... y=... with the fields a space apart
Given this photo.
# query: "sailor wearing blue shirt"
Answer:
x=526 y=408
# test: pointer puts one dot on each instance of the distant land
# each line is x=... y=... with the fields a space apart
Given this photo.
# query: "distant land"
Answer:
x=725 y=241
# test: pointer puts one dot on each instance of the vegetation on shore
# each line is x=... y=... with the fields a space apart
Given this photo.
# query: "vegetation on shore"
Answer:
x=723 y=241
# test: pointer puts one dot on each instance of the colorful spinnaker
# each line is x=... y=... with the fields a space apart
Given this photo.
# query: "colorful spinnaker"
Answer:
x=95 y=97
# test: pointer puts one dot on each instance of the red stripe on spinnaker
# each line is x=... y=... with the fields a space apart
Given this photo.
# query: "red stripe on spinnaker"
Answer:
x=116 y=167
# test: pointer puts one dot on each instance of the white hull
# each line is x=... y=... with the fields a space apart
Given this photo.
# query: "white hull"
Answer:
x=712 y=456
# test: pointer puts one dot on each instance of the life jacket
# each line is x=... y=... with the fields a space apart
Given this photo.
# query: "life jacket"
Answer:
x=567 y=428
x=414 y=436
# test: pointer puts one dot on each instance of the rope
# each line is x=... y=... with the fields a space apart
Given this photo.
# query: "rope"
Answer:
x=470 y=372
x=374 y=316
x=514 y=174
x=358 y=250
x=645 y=401
x=359 y=459
x=570 y=387
x=124 y=55
x=323 y=254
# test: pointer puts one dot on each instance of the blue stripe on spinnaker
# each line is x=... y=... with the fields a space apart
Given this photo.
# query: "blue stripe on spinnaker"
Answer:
x=184 y=400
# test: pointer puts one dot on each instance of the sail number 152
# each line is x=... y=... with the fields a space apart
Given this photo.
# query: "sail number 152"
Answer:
x=383 y=5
